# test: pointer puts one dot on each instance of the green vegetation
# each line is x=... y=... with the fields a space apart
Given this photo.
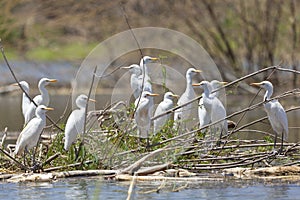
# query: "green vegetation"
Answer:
x=70 y=52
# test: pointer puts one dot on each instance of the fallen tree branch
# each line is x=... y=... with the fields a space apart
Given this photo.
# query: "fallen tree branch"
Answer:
x=137 y=165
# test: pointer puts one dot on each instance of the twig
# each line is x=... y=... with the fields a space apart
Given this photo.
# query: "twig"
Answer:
x=131 y=187
x=51 y=158
x=141 y=53
x=180 y=188
x=230 y=166
x=137 y=165
x=67 y=166
x=85 y=114
x=13 y=159
x=162 y=185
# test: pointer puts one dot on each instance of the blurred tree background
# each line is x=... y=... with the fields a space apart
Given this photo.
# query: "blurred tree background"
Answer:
x=241 y=36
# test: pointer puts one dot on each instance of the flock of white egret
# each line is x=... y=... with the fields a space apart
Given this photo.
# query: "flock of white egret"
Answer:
x=210 y=108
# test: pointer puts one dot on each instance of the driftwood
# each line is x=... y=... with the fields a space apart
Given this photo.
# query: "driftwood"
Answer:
x=48 y=177
x=276 y=172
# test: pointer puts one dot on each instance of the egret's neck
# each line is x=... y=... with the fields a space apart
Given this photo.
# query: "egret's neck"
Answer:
x=27 y=91
x=268 y=94
x=206 y=90
x=144 y=67
x=81 y=105
x=44 y=93
x=41 y=115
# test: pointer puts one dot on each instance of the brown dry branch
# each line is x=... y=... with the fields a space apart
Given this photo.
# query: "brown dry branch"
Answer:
x=137 y=165
x=13 y=159
x=230 y=165
x=153 y=169
x=67 y=166
x=51 y=158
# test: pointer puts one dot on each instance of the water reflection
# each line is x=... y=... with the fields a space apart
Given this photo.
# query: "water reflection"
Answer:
x=95 y=188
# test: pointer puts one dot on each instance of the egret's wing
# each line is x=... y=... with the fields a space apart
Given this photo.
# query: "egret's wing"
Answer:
x=29 y=135
x=38 y=100
x=74 y=126
x=30 y=113
x=279 y=116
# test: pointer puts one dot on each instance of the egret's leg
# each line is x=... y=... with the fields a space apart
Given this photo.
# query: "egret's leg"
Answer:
x=26 y=152
x=24 y=158
x=281 y=146
x=148 y=143
x=275 y=140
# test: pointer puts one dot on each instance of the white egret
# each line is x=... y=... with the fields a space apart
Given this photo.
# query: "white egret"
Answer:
x=142 y=114
x=42 y=99
x=135 y=81
x=204 y=116
x=143 y=64
x=162 y=107
x=145 y=79
x=214 y=107
x=276 y=114
x=25 y=99
x=189 y=94
x=30 y=135
x=75 y=122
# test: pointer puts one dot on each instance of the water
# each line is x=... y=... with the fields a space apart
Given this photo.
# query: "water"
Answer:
x=94 y=188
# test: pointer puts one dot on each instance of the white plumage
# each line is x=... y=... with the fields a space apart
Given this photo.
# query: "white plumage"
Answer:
x=183 y=113
x=162 y=107
x=29 y=136
x=214 y=108
x=204 y=116
x=25 y=99
x=142 y=114
x=42 y=99
x=276 y=113
x=135 y=80
x=75 y=122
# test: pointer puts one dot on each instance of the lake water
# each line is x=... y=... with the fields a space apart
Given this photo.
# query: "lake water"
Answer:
x=94 y=188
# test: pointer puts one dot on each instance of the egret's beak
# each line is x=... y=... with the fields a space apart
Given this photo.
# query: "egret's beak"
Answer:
x=197 y=71
x=92 y=100
x=196 y=84
x=255 y=84
x=153 y=95
x=15 y=84
x=223 y=82
x=128 y=67
x=175 y=96
x=52 y=80
x=47 y=108
x=154 y=59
